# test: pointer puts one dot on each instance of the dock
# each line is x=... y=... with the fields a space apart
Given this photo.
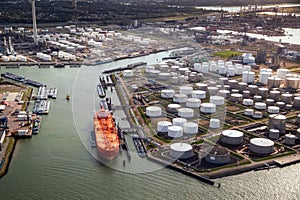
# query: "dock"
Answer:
x=128 y=67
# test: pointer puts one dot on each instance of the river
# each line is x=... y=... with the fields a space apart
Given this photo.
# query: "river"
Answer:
x=57 y=163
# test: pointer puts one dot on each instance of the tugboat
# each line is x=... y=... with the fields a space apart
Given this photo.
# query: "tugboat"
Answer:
x=68 y=97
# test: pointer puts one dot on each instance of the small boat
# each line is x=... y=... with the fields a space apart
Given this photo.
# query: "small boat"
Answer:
x=101 y=90
x=68 y=97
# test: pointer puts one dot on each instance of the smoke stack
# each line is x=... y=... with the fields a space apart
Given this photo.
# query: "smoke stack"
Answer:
x=34 y=22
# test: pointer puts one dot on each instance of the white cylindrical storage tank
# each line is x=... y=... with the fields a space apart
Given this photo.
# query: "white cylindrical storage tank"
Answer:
x=245 y=76
x=232 y=137
x=175 y=131
x=183 y=70
x=247 y=68
x=248 y=102
x=253 y=89
x=222 y=70
x=236 y=97
x=153 y=111
x=174 y=80
x=164 y=76
x=185 y=112
x=218 y=156
x=181 y=150
x=224 y=93
x=230 y=71
x=167 y=93
x=249 y=112
x=263 y=92
x=277 y=122
x=201 y=86
x=289 y=139
x=164 y=68
x=238 y=70
x=257 y=115
x=287 y=98
x=208 y=108
x=281 y=73
x=273 y=109
x=204 y=68
x=261 y=146
x=149 y=68
x=242 y=86
x=190 y=128
x=154 y=73
x=128 y=73
x=214 y=123
x=179 y=121
x=197 y=66
x=174 y=68
x=186 y=90
x=233 y=84
x=180 y=98
x=162 y=126
x=263 y=77
x=193 y=103
x=296 y=103
x=260 y=106
x=292 y=83
x=273 y=134
x=257 y=98
x=270 y=102
x=212 y=91
x=217 y=100
x=173 y=108
x=280 y=104
x=200 y=94
x=251 y=77
x=246 y=94
x=274 y=95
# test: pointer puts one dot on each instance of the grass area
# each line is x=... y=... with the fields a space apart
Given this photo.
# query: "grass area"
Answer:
x=7 y=155
x=227 y=54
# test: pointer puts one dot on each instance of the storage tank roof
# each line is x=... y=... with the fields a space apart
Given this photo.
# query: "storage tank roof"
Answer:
x=262 y=142
x=232 y=133
x=275 y=116
x=181 y=147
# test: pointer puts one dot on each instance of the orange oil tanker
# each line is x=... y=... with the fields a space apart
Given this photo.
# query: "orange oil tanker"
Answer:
x=106 y=136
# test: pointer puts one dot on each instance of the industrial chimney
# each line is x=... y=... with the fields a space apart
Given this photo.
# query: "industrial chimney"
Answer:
x=34 y=22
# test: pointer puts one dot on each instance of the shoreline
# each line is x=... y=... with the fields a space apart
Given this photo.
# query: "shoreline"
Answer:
x=7 y=162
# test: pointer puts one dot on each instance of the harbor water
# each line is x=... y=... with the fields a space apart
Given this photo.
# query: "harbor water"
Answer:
x=59 y=164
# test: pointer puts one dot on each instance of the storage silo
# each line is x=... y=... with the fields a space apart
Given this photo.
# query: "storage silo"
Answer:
x=180 y=98
x=292 y=83
x=233 y=84
x=224 y=93
x=281 y=73
x=181 y=150
x=280 y=104
x=153 y=111
x=208 y=108
x=257 y=98
x=257 y=115
x=186 y=90
x=166 y=94
x=273 y=109
x=217 y=100
x=260 y=106
x=175 y=80
x=212 y=91
x=199 y=94
x=218 y=155
x=179 y=121
x=201 y=86
x=261 y=146
x=263 y=92
x=230 y=71
x=223 y=80
x=236 y=97
x=149 y=68
x=190 y=128
x=162 y=126
x=185 y=112
x=193 y=103
x=248 y=102
x=287 y=98
x=253 y=90
x=296 y=103
x=270 y=102
x=242 y=86
x=246 y=94
x=232 y=137
x=175 y=131
x=277 y=122
x=249 y=112
x=289 y=139
x=274 y=94
x=214 y=123
x=274 y=134
x=173 y=108
x=164 y=76
x=222 y=70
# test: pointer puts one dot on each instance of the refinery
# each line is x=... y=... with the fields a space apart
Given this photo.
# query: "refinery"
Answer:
x=222 y=102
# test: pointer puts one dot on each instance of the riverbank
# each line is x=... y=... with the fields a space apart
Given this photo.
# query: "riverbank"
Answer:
x=8 y=155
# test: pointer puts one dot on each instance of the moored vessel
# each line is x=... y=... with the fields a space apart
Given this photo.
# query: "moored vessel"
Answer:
x=106 y=136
